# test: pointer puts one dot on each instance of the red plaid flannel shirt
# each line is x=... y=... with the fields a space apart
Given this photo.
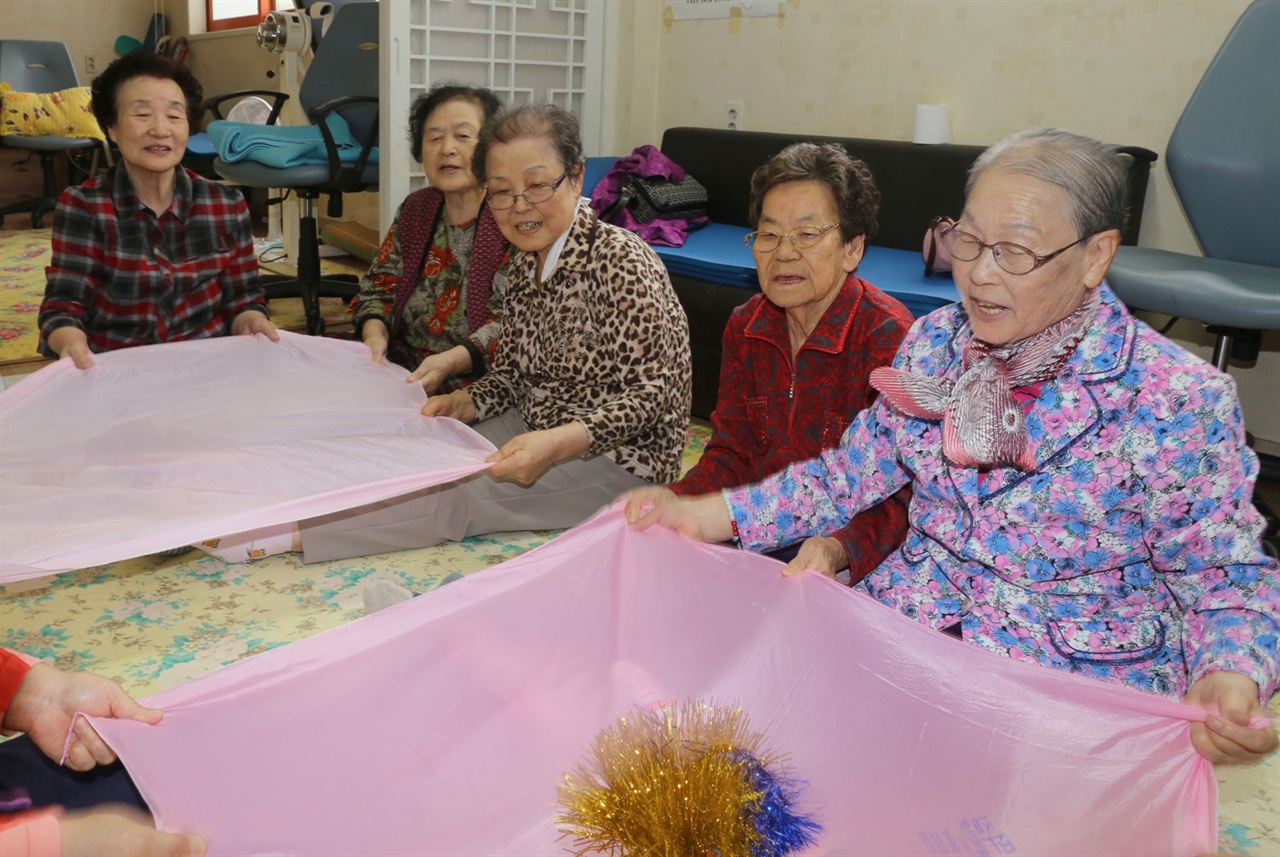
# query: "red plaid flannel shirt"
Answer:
x=127 y=277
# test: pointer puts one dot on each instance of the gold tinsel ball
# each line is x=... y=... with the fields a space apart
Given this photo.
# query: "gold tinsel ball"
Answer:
x=686 y=780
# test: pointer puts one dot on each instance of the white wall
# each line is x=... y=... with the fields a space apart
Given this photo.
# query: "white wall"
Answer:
x=1119 y=70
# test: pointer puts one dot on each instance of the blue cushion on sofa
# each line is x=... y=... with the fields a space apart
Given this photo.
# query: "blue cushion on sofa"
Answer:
x=900 y=274
x=716 y=253
x=594 y=171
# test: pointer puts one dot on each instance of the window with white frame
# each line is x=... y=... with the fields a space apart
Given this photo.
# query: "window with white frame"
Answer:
x=526 y=51
x=236 y=14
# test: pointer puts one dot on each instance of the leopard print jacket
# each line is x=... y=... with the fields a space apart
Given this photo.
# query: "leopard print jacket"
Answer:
x=603 y=341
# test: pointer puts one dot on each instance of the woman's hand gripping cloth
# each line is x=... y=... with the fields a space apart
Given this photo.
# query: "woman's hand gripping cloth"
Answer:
x=163 y=445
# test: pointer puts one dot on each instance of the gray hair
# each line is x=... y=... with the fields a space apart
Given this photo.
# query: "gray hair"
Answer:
x=1092 y=174
x=548 y=122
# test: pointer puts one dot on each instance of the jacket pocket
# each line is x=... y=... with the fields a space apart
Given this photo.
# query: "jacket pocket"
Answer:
x=760 y=416
x=1141 y=641
x=834 y=425
x=194 y=273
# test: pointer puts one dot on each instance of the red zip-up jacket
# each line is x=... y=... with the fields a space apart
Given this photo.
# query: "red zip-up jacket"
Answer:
x=772 y=411
x=27 y=832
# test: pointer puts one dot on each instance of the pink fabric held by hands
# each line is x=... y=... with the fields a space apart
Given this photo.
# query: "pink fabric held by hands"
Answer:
x=164 y=445
x=444 y=725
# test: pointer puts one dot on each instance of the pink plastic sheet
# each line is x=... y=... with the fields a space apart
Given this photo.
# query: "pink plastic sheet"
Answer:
x=444 y=725
x=156 y=447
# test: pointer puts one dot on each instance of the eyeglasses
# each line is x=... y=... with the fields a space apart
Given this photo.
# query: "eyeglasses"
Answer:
x=801 y=239
x=1012 y=258
x=533 y=194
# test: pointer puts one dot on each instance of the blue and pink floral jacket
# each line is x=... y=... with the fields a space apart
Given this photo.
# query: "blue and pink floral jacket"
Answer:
x=1130 y=553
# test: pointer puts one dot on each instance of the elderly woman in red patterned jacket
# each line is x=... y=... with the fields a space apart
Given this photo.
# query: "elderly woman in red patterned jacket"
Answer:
x=57 y=800
x=796 y=358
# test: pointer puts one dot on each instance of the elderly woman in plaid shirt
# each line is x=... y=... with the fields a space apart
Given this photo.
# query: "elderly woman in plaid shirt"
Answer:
x=149 y=252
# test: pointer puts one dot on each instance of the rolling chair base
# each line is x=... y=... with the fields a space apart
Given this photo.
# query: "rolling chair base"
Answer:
x=38 y=208
x=48 y=201
x=345 y=286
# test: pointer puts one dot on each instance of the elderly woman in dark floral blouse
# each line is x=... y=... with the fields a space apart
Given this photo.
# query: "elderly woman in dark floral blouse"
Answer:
x=432 y=300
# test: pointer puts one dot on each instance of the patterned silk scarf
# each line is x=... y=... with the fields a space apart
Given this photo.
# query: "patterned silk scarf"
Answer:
x=982 y=422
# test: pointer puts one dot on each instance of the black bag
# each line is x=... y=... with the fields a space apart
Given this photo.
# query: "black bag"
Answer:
x=651 y=199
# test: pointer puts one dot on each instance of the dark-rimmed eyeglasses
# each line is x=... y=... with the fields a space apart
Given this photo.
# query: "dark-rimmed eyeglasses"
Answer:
x=801 y=239
x=1012 y=258
x=533 y=194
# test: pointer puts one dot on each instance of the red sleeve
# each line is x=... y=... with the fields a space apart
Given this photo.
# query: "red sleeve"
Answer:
x=13 y=669
x=874 y=534
x=241 y=287
x=726 y=462
x=871 y=536
x=32 y=833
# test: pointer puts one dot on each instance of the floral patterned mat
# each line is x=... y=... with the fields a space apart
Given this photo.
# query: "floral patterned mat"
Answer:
x=23 y=257
x=154 y=623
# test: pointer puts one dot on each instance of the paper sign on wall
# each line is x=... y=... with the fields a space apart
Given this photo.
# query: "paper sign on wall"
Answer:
x=685 y=10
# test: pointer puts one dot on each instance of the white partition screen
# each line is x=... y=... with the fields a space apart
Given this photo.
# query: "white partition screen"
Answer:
x=526 y=51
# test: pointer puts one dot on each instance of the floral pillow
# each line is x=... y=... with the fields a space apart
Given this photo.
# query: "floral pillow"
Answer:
x=58 y=114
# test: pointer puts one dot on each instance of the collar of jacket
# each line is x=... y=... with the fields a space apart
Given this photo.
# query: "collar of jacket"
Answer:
x=126 y=198
x=1105 y=352
x=576 y=254
x=769 y=322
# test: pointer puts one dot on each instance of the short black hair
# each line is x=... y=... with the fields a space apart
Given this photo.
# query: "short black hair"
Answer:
x=852 y=186
x=424 y=105
x=106 y=87
x=558 y=127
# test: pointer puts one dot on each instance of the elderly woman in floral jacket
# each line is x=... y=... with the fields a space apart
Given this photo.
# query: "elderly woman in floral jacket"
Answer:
x=1081 y=485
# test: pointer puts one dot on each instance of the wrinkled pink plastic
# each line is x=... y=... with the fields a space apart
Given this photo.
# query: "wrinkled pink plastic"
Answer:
x=160 y=446
x=443 y=725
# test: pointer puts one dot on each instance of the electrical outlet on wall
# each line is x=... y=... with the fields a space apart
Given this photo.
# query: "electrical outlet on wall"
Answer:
x=733 y=115
x=90 y=64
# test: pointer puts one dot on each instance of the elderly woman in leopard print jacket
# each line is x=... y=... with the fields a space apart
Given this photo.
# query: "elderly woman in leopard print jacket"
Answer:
x=589 y=393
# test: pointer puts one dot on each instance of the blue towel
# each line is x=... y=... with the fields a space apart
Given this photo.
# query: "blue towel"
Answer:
x=283 y=146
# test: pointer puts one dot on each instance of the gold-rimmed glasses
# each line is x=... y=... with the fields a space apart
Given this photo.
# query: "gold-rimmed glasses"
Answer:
x=802 y=238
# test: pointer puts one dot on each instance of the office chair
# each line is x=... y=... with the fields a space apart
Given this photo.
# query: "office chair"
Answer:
x=35 y=66
x=1224 y=162
x=263 y=108
x=342 y=79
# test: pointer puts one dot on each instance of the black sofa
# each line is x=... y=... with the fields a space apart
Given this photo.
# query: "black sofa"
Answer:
x=712 y=276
